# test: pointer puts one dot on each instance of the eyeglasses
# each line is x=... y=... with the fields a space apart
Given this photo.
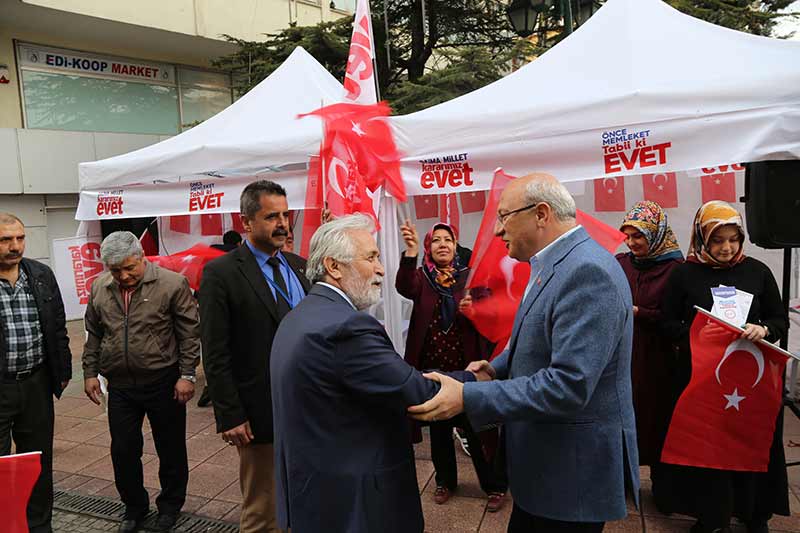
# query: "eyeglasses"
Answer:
x=503 y=217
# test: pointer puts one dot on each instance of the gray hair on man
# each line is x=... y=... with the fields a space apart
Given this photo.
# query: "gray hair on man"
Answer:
x=554 y=194
x=333 y=239
x=119 y=246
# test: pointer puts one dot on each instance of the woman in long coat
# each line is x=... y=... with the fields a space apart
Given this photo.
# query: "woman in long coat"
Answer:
x=654 y=253
x=439 y=337
x=716 y=257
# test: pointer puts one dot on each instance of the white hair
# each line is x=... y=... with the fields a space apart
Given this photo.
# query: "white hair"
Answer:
x=553 y=194
x=333 y=239
x=119 y=246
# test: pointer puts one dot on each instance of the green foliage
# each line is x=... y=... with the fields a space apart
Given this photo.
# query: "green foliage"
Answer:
x=461 y=45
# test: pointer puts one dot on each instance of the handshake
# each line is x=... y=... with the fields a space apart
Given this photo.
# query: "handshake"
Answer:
x=449 y=401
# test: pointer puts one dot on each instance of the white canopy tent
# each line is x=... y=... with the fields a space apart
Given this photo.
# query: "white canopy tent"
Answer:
x=258 y=135
x=691 y=93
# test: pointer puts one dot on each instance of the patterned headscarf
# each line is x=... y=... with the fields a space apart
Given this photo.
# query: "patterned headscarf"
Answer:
x=442 y=278
x=651 y=220
x=710 y=217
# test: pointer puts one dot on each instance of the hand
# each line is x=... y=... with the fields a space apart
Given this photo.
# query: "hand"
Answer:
x=635 y=310
x=91 y=386
x=447 y=403
x=465 y=305
x=327 y=216
x=184 y=390
x=239 y=436
x=754 y=332
x=411 y=238
x=483 y=370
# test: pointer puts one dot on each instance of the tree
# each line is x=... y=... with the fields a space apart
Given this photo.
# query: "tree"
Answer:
x=459 y=46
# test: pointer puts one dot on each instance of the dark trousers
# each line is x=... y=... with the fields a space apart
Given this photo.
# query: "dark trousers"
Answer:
x=126 y=410
x=523 y=522
x=443 y=454
x=26 y=415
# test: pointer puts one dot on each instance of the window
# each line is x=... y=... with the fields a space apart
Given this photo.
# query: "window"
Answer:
x=76 y=91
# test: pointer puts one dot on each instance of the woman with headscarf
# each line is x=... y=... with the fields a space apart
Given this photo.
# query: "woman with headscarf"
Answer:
x=654 y=253
x=439 y=337
x=716 y=257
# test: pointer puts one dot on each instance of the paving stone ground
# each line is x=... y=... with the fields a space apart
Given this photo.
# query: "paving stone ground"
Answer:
x=82 y=464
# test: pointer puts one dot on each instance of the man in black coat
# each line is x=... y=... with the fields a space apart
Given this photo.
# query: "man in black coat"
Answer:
x=243 y=297
x=35 y=361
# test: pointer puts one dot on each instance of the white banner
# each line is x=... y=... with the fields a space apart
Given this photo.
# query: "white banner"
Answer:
x=189 y=197
x=76 y=263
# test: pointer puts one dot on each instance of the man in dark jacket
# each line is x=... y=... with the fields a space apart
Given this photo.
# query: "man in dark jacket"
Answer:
x=35 y=361
x=244 y=295
x=144 y=337
x=343 y=455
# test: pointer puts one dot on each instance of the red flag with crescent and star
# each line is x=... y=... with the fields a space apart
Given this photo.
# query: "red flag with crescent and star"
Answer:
x=719 y=183
x=497 y=282
x=189 y=262
x=725 y=418
x=609 y=194
x=661 y=189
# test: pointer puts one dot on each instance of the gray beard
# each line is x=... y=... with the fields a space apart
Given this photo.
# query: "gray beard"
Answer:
x=361 y=292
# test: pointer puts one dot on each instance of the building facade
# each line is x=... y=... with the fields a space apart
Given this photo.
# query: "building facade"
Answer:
x=82 y=80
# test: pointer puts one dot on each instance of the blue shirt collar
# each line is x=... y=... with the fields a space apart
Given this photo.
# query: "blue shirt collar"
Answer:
x=262 y=257
x=538 y=258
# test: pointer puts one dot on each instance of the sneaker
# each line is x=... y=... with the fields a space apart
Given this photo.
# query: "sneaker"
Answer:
x=496 y=501
x=441 y=495
x=462 y=440
x=165 y=522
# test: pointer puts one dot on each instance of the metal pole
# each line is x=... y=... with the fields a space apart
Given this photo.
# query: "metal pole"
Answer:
x=386 y=41
x=566 y=8
x=787 y=287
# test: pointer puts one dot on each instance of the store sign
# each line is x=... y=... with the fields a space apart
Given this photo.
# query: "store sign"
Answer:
x=79 y=63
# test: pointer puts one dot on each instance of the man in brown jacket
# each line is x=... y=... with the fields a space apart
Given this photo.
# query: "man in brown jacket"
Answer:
x=143 y=336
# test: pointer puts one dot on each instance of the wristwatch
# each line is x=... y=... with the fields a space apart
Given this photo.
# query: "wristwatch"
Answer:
x=192 y=379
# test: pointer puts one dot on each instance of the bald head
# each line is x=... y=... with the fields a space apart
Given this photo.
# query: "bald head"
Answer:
x=7 y=219
x=533 y=211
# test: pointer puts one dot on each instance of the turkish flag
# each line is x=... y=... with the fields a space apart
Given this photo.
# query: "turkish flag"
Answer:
x=236 y=218
x=18 y=474
x=725 y=418
x=448 y=210
x=180 y=223
x=609 y=194
x=661 y=189
x=606 y=236
x=473 y=202
x=497 y=282
x=358 y=153
x=189 y=262
x=719 y=184
x=426 y=206
x=211 y=224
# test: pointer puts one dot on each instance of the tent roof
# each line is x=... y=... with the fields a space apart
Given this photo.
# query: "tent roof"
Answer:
x=256 y=132
x=716 y=94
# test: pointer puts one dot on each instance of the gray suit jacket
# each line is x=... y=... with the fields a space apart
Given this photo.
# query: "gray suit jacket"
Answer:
x=564 y=389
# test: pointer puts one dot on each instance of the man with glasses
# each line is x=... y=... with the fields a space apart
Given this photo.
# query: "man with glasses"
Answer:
x=244 y=295
x=562 y=388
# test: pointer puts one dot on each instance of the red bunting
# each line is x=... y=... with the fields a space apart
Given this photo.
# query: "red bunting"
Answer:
x=448 y=210
x=661 y=189
x=609 y=194
x=180 y=223
x=473 y=202
x=426 y=206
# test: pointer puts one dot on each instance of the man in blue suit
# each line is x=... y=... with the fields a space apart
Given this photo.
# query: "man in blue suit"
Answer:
x=343 y=455
x=562 y=388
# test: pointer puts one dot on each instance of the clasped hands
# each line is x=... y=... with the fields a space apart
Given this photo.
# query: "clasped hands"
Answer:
x=449 y=401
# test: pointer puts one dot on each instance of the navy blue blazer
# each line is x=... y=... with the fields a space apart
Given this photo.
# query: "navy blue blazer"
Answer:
x=343 y=455
x=564 y=388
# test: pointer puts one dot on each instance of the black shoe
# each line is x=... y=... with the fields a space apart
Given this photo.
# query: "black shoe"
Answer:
x=757 y=527
x=131 y=525
x=165 y=522
x=205 y=398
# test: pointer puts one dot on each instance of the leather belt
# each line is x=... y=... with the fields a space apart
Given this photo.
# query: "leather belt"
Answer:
x=20 y=376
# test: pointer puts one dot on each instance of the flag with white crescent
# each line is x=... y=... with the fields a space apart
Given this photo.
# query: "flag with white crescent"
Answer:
x=725 y=418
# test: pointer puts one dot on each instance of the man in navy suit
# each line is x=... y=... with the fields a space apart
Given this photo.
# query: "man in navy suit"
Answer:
x=562 y=388
x=343 y=455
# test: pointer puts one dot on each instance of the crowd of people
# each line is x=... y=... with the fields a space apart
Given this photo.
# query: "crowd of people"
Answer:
x=323 y=411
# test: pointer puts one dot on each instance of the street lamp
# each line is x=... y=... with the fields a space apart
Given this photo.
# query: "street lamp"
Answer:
x=523 y=14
